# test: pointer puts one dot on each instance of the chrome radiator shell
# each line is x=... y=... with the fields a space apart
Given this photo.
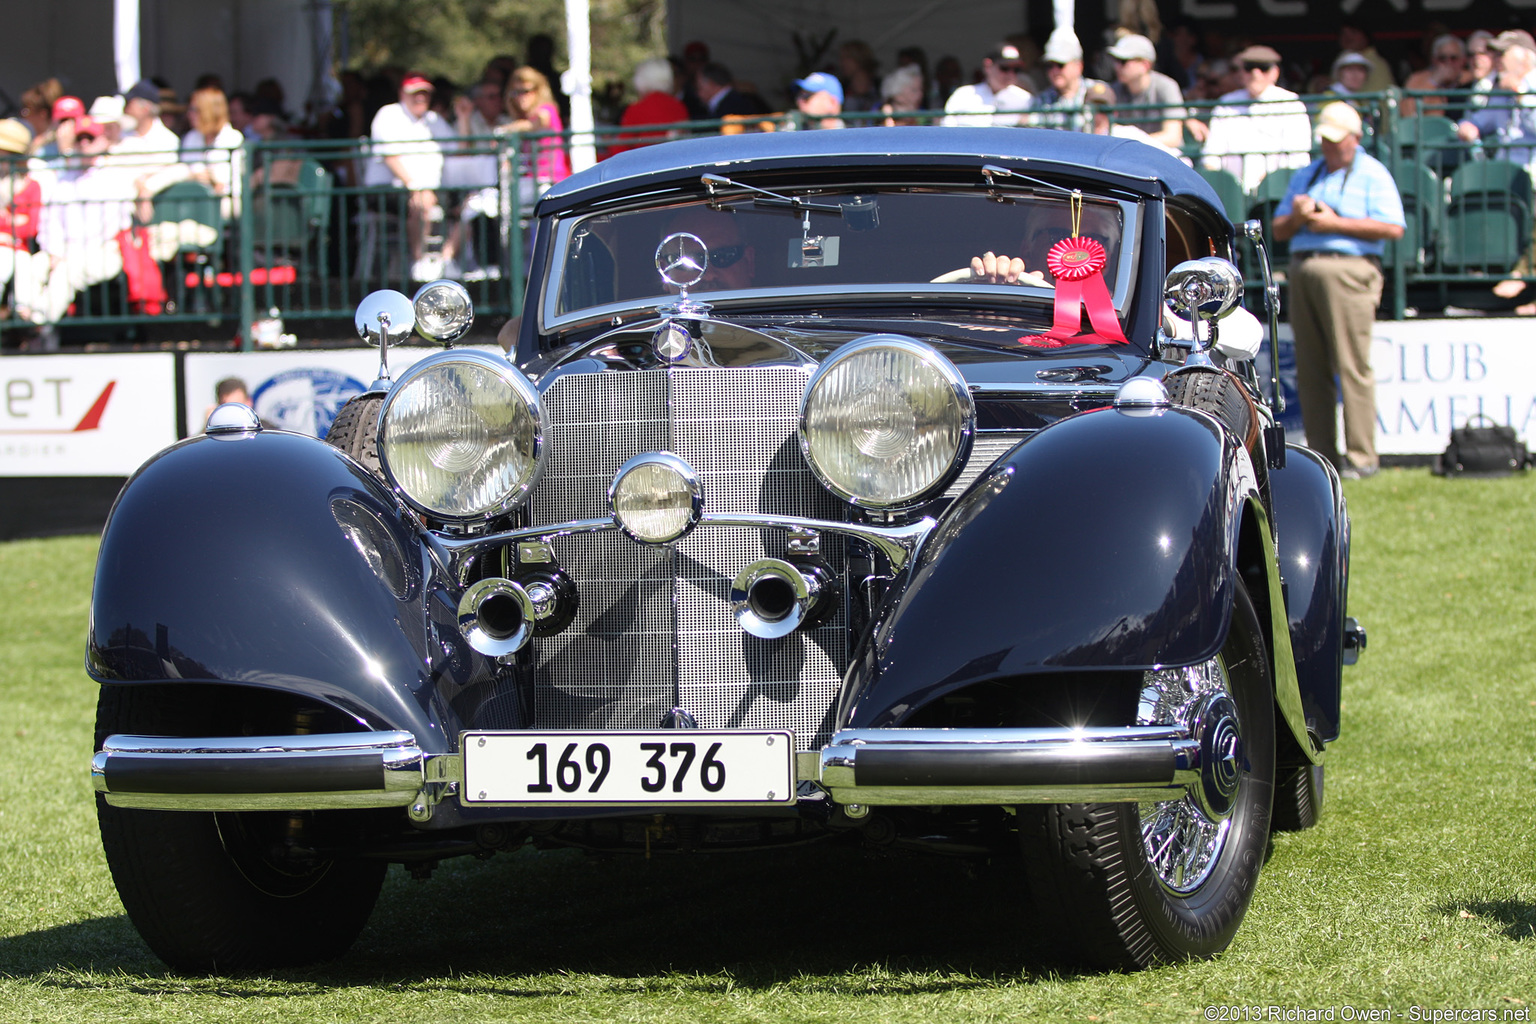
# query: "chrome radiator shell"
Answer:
x=655 y=628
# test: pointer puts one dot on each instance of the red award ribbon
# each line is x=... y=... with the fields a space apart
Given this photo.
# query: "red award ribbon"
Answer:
x=1078 y=265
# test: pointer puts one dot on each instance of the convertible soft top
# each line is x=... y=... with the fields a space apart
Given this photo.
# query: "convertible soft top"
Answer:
x=933 y=145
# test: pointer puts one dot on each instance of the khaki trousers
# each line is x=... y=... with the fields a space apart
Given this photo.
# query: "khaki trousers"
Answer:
x=1333 y=310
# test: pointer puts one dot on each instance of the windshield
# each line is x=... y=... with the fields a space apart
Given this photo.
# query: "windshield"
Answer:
x=899 y=241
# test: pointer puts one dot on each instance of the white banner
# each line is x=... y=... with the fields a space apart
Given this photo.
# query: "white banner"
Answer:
x=85 y=415
x=1431 y=375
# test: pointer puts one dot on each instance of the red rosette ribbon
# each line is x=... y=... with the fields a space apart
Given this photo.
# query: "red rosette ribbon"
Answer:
x=1078 y=265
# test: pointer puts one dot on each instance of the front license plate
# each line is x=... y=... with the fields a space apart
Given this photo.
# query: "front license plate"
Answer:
x=673 y=766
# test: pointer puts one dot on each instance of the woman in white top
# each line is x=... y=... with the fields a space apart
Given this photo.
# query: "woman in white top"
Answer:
x=214 y=149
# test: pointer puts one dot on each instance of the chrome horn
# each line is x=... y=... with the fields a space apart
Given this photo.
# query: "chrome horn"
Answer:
x=497 y=617
x=771 y=598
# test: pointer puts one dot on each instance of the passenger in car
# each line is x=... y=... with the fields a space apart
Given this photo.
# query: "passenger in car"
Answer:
x=1048 y=225
x=732 y=261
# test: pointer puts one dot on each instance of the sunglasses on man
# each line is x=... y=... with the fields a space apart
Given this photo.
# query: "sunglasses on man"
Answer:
x=1263 y=67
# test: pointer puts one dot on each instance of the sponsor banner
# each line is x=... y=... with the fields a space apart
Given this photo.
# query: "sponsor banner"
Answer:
x=85 y=415
x=1431 y=375
x=300 y=391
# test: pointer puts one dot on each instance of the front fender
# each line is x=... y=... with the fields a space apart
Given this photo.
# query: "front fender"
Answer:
x=1313 y=543
x=1106 y=541
x=271 y=560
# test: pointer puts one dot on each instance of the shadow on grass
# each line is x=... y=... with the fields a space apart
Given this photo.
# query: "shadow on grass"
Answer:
x=825 y=919
x=1517 y=917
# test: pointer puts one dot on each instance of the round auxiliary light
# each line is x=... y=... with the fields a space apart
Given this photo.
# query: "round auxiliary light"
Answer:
x=655 y=497
x=461 y=435
x=443 y=311
x=886 y=422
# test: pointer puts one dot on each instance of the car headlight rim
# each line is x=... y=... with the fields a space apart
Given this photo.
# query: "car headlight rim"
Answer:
x=944 y=446
x=463 y=461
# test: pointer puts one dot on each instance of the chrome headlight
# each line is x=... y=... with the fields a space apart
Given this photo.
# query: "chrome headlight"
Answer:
x=886 y=422
x=461 y=436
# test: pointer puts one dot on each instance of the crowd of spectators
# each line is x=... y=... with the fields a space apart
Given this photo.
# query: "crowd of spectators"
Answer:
x=1214 y=101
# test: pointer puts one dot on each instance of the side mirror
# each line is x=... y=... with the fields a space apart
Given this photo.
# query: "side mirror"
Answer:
x=1205 y=289
x=385 y=317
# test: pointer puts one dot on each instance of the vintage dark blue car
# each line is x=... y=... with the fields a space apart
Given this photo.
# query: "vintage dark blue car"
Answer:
x=910 y=485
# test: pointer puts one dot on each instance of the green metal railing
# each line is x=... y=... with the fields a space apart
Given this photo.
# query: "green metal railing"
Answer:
x=303 y=237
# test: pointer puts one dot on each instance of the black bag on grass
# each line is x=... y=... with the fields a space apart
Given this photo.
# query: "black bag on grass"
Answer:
x=1481 y=447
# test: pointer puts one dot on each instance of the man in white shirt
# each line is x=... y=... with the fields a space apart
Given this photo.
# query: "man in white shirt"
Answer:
x=1260 y=127
x=149 y=144
x=997 y=98
x=408 y=142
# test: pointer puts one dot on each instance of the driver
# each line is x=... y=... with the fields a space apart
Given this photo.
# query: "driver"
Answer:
x=732 y=262
x=1048 y=225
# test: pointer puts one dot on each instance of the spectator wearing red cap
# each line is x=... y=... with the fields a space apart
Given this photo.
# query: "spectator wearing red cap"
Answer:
x=1260 y=127
x=66 y=110
x=409 y=140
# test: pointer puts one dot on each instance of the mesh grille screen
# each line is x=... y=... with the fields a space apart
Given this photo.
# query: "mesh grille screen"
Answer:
x=655 y=628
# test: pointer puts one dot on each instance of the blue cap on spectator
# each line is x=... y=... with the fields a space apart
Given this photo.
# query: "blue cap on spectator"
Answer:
x=822 y=82
x=143 y=89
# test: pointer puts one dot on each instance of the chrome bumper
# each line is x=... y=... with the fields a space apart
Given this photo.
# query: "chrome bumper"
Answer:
x=252 y=773
x=865 y=767
x=873 y=767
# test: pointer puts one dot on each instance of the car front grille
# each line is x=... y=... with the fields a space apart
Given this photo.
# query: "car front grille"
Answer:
x=655 y=628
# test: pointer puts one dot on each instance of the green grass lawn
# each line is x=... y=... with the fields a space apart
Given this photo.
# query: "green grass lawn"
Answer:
x=1417 y=889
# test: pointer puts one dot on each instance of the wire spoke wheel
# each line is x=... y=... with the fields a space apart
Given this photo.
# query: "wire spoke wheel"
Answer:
x=1181 y=840
x=1158 y=882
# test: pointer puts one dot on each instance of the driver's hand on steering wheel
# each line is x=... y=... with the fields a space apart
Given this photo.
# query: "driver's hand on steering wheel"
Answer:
x=995 y=269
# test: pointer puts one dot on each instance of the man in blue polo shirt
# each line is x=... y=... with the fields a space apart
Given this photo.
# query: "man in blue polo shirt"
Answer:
x=1338 y=214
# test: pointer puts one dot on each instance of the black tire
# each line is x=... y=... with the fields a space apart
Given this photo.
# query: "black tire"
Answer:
x=356 y=431
x=1299 y=798
x=204 y=890
x=1088 y=867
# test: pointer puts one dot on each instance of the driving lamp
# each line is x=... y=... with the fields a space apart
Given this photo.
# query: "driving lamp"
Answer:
x=443 y=311
x=886 y=422
x=655 y=497
x=461 y=436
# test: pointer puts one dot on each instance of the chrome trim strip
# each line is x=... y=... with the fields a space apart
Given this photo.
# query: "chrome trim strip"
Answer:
x=249 y=773
x=1047 y=765
x=897 y=543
